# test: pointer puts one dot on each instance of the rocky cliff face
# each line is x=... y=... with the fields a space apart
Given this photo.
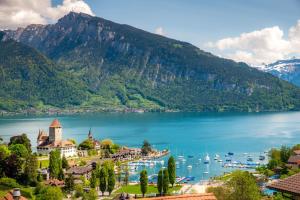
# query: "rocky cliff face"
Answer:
x=122 y=61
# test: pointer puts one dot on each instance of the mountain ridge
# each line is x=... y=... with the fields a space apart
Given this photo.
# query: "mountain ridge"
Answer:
x=130 y=68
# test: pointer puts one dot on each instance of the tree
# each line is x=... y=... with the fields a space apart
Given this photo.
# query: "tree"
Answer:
x=30 y=171
x=55 y=165
x=126 y=177
x=166 y=181
x=91 y=195
x=50 y=193
x=146 y=148
x=172 y=170
x=93 y=179
x=61 y=175
x=13 y=166
x=144 y=182
x=69 y=183
x=285 y=153
x=21 y=139
x=103 y=180
x=4 y=154
x=160 y=182
x=19 y=150
x=111 y=180
x=86 y=145
x=243 y=186
x=78 y=191
x=64 y=163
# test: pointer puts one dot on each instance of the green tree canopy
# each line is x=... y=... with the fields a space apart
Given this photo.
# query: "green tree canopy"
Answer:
x=146 y=148
x=285 y=153
x=50 y=193
x=4 y=151
x=69 y=183
x=172 y=170
x=30 y=171
x=93 y=179
x=144 y=182
x=103 y=180
x=111 y=180
x=55 y=165
x=19 y=150
x=86 y=145
x=166 y=181
x=243 y=186
x=64 y=163
x=160 y=182
x=21 y=139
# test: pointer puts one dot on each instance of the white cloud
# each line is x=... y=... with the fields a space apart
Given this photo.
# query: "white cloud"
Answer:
x=262 y=46
x=160 y=31
x=20 y=13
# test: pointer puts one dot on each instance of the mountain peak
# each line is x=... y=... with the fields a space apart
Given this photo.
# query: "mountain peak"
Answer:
x=74 y=15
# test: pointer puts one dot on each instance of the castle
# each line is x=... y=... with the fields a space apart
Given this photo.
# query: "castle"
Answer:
x=47 y=143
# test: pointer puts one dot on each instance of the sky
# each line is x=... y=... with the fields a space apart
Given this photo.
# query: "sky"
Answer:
x=253 y=31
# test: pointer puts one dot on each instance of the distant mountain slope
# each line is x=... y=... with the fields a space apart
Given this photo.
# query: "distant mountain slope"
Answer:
x=29 y=79
x=288 y=70
x=130 y=68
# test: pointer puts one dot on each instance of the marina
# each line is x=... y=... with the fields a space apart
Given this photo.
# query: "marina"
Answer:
x=222 y=141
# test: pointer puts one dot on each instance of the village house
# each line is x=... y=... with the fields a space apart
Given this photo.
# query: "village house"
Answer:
x=47 y=143
x=81 y=171
x=126 y=153
x=294 y=160
x=290 y=186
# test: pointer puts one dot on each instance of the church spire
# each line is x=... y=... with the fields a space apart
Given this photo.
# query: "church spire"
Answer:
x=90 y=134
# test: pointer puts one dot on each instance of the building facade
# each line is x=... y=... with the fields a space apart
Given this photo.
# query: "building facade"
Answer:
x=53 y=141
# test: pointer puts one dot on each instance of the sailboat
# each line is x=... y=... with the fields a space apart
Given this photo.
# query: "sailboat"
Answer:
x=206 y=159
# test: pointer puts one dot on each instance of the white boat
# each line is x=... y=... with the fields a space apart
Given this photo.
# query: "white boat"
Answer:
x=206 y=159
x=205 y=172
x=216 y=157
x=189 y=166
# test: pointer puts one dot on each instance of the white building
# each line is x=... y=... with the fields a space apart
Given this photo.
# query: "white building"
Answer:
x=47 y=143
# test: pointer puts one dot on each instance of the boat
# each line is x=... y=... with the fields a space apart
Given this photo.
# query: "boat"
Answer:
x=220 y=160
x=189 y=166
x=180 y=157
x=216 y=157
x=190 y=156
x=249 y=159
x=205 y=172
x=261 y=157
x=230 y=153
x=206 y=159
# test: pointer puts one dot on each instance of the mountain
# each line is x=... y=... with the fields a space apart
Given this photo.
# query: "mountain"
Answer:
x=288 y=70
x=128 y=68
x=30 y=80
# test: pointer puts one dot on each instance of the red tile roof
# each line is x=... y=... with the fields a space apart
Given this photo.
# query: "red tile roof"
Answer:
x=55 y=124
x=294 y=159
x=9 y=196
x=297 y=152
x=206 y=196
x=288 y=185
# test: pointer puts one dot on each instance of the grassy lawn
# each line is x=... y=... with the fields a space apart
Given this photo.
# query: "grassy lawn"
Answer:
x=45 y=163
x=135 y=189
x=3 y=191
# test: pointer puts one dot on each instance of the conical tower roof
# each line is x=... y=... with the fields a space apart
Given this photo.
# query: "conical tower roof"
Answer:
x=55 y=124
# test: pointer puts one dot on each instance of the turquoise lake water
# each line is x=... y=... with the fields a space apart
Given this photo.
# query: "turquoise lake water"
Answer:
x=185 y=134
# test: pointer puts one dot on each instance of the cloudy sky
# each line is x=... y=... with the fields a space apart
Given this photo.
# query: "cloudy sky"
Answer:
x=256 y=31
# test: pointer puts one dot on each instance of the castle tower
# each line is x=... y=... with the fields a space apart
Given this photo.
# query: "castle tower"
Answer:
x=55 y=132
x=90 y=136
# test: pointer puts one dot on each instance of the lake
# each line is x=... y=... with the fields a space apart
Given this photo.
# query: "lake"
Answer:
x=185 y=134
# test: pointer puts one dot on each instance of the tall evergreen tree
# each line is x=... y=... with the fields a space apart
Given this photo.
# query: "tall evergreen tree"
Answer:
x=69 y=183
x=64 y=163
x=111 y=180
x=144 y=182
x=160 y=182
x=165 y=181
x=30 y=171
x=55 y=166
x=172 y=170
x=103 y=180
x=126 y=177
x=93 y=179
